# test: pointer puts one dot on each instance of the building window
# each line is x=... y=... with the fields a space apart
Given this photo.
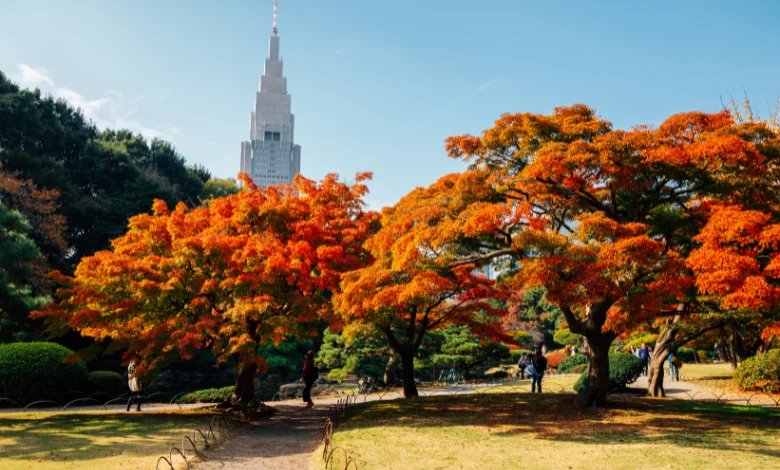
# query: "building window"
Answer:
x=272 y=136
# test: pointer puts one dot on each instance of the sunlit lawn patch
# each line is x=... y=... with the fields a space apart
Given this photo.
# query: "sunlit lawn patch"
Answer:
x=520 y=430
x=91 y=440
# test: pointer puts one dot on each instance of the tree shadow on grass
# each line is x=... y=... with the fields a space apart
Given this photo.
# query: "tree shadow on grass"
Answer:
x=558 y=417
x=77 y=437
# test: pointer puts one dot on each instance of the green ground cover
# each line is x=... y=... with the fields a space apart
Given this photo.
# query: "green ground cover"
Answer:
x=49 y=441
x=520 y=430
x=715 y=375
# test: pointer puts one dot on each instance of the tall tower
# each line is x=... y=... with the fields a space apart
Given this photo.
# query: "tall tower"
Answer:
x=270 y=156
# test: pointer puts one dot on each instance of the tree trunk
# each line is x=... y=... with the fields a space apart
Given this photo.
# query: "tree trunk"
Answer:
x=669 y=340
x=655 y=374
x=655 y=368
x=245 y=384
x=407 y=363
x=598 y=372
x=390 y=367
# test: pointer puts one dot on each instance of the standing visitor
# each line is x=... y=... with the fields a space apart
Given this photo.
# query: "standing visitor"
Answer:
x=644 y=355
x=522 y=364
x=539 y=363
x=674 y=366
x=135 y=387
x=310 y=374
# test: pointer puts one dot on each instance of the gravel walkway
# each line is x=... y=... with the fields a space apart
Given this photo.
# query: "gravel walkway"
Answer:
x=285 y=441
x=683 y=390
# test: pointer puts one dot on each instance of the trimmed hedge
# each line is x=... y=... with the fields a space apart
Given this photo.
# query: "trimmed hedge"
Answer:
x=623 y=370
x=514 y=354
x=38 y=371
x=568 y=365
x=760 y=372
x=207 y=395
x=108 y=381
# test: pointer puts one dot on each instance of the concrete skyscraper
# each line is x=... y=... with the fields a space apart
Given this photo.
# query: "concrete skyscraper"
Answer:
x=270 y=156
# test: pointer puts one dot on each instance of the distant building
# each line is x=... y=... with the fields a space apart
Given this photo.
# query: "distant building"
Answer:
x=270 y=156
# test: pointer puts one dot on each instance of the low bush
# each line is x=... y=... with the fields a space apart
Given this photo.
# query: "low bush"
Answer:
x=705 y=356
x=496 y=373
x=565 y=337
x=636 y=341
x=623 y=370
x=760 y=372
x=554 y=358
x=687 y=354
x=514 y=354
x=107 y=381
x=39 y=371
x=568 y=365
x=337 y=375
x=207 y=395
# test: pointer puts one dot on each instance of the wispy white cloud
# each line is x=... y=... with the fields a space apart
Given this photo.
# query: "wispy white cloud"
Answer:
x=114 y=110
x=487 y=84
x=90 y=108
x=33 y=77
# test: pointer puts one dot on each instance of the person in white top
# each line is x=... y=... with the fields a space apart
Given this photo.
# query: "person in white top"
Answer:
x=135 y=387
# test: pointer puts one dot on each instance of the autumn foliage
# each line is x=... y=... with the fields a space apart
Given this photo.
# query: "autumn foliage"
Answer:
x=414 y=286
x=605 y=218
x=244 y=270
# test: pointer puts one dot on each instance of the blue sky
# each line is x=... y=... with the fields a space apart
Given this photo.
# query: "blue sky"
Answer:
x=379 y=85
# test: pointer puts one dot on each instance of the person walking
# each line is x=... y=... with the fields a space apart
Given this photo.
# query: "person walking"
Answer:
x=539 y=363
x=310 y=374
x=135 y=387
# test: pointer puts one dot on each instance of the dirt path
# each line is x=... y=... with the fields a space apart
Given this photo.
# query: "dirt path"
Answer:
x=285 y=441
x=683 y=390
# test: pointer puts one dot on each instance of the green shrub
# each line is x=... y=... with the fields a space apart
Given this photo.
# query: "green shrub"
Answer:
x=337 y=375
x=496 y=373
x=636 y=341
x=107 y=381
x=38 y=371
x=565 y=337
x=207 y=395
x=623 y=370
x=760 y=372
x=514 y=354
x=567 y=365
x=703 y=355
x=686 y=354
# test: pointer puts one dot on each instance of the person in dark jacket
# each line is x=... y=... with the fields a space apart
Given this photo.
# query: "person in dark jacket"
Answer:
x=310 y=374
x=540 y=364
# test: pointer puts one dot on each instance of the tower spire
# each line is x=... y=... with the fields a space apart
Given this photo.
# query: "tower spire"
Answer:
x=276 y=10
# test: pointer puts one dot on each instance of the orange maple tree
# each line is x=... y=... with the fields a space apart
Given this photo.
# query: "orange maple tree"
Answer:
x=605 y=217
x=413 y=286
x=738 y=261
x=243 y=270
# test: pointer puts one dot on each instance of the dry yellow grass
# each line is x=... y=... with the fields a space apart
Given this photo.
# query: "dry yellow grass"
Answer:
x=523 y=431
x=110 y=441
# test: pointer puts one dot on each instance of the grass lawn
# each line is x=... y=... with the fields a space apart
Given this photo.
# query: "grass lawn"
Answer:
x=520 y=430
x=718 y=376
x=92 y=439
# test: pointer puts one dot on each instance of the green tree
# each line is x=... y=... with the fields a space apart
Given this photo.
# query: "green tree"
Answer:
x=102 y=178
x=463 y=349
x=18 y=292
x=363 y=355
x=218 y=187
